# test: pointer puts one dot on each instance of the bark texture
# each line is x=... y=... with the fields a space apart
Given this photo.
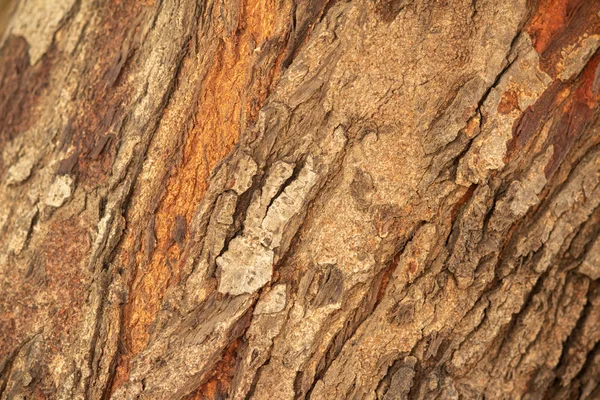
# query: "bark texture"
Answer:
x=280 y=199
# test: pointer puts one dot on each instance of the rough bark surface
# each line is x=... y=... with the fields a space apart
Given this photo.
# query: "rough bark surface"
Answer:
x=280 y=199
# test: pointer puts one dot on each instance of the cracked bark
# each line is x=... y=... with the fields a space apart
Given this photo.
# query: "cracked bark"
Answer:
x=370 y=199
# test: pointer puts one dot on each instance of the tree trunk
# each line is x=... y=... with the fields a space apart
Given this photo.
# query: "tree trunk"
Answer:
x=281 y=199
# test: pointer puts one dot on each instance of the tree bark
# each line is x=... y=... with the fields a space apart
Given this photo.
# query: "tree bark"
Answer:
x=275 y=199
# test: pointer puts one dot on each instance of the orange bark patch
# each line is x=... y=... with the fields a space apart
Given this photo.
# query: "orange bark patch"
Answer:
x=577 y=112
x=508 y=102
x=559 y=24
x=532 y=120
x=462 y=201
x=53 y=291
x=549 y=20
x=472 y=127
x=572 y=106
x=217 y=386
x=384 y=279
x=66 y=245
x=226 y=97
